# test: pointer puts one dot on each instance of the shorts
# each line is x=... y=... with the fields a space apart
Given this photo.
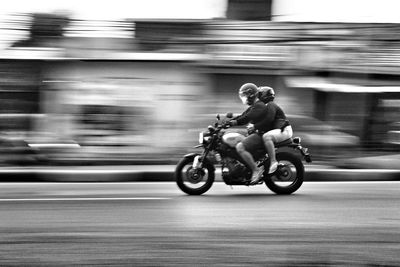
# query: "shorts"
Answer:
x=253 y=142
x=279 y=136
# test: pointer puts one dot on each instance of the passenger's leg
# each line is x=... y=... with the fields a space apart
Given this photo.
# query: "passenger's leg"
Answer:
x=268 y=139
x=269 y=145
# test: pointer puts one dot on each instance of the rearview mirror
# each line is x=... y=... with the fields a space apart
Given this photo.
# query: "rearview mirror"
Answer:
x=229 y=115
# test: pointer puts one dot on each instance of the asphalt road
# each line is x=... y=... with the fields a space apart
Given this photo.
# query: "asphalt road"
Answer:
x=154 y=224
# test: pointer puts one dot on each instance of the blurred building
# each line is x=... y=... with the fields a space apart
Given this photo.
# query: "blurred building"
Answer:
x=141 y=89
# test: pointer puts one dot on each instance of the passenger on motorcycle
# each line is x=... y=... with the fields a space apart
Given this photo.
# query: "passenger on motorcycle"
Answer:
x=255 y=114
x=279 y=126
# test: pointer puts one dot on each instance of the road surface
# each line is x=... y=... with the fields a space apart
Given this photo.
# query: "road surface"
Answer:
x=154 y=224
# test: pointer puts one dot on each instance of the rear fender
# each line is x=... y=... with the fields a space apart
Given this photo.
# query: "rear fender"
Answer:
x=304 y=152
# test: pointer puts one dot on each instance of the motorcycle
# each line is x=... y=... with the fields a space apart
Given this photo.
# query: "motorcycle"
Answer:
x=195 y=172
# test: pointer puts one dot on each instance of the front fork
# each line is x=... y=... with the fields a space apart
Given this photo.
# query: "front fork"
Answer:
x=198 y=159
x=197 y=163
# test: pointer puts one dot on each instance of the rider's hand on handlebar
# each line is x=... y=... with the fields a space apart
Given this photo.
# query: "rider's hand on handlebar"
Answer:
x=228 y=123
x=250 y=127
x=231 y=123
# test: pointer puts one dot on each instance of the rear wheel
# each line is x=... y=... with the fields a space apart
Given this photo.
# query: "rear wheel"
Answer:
x=288 y=177
x=194 y=181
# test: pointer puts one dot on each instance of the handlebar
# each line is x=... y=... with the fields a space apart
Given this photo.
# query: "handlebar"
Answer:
x=218 y=127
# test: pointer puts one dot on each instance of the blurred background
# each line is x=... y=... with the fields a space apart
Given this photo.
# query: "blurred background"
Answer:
x=133 y=82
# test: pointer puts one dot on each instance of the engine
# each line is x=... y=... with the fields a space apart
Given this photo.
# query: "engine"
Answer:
x=234 y=172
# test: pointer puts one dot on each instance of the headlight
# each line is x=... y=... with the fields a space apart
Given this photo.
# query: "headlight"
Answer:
x=201 y=137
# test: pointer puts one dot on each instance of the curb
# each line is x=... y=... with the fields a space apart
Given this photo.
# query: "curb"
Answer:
x=86 y=175
x=352 y=175
x=166 y=174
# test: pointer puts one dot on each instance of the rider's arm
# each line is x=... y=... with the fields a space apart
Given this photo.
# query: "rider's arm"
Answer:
x=254 y=112
x=233 y=122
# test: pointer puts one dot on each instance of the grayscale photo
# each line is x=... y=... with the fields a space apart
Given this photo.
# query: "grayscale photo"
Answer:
x=200 y=133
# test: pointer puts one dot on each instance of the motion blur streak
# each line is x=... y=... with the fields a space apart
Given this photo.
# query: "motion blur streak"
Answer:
x=98 y=85
x=104 y=91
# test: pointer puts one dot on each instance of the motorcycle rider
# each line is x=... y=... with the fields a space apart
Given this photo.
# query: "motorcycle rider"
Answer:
x=279 y=126
x=255 y=114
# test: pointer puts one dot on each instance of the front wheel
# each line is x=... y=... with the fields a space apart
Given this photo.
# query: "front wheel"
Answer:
x=194 y=181
x=288 y=177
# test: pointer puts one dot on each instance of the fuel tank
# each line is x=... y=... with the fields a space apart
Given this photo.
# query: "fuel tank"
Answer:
x=234 y=136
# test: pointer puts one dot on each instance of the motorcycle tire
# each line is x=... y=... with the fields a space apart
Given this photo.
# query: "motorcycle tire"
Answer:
x=271 y=180
x=180 y=179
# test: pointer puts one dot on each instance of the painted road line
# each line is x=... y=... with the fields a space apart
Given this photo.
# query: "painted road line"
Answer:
x=81 y=199
x=60 y=171
x=353 y=170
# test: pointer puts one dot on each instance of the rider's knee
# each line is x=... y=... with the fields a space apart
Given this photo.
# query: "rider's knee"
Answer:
x=240 y=147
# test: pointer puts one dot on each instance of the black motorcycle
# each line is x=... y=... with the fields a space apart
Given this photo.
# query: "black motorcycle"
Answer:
x=195 y=172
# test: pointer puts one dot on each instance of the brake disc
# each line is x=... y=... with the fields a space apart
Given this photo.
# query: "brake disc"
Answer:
x=284 y=172
x=194 y=176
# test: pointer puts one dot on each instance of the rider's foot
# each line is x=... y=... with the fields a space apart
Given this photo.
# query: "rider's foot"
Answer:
x=273 y=167
x=257 y=174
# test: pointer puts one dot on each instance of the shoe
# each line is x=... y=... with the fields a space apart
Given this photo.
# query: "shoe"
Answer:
x=257 y=174
x=273 y=167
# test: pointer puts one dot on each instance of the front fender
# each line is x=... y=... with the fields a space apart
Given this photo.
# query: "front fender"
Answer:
x=205 y=161
x=191 y=155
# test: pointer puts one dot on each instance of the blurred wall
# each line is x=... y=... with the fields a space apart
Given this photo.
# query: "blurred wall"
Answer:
x=147 y=105
x=249 y=9
x=109 y=91
x=345 y=110
x=336 y=11
x=19 y=95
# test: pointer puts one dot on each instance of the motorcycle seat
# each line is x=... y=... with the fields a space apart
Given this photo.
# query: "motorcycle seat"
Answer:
x=284 y=142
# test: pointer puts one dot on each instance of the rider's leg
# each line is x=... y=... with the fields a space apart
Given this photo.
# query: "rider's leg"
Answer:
x=272 y=137
x=246 y=156
x=248 y=144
